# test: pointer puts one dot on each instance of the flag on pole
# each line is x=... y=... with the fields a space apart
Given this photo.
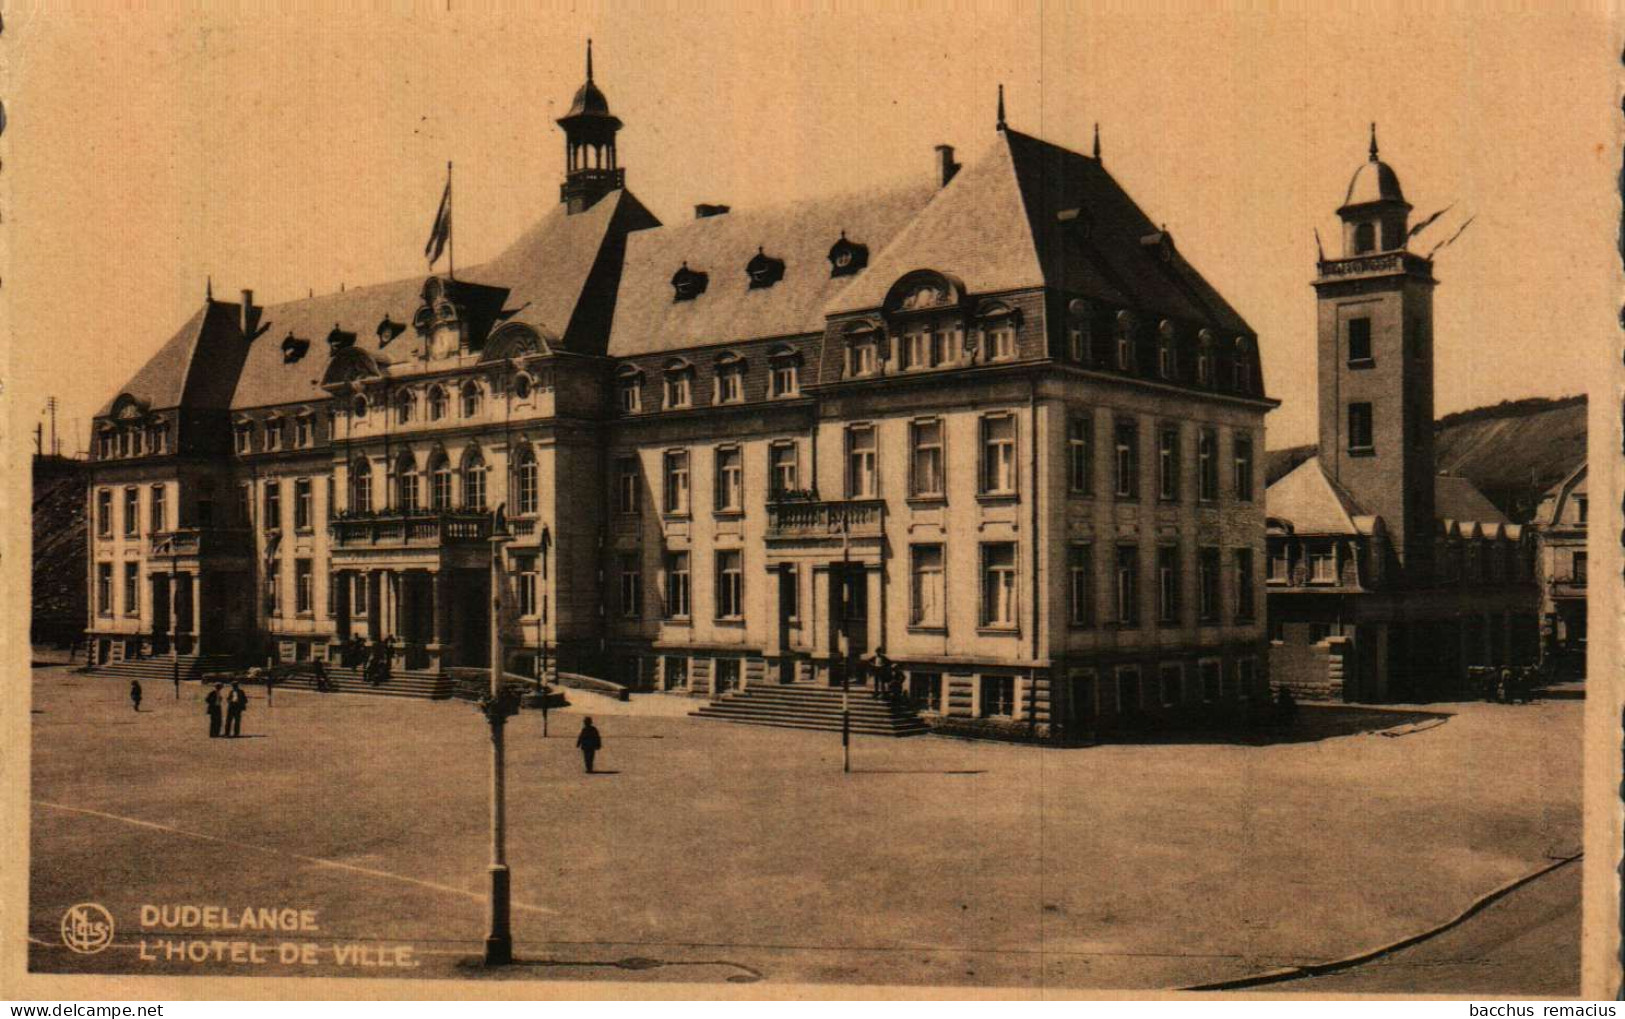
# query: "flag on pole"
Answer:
x=441 y=234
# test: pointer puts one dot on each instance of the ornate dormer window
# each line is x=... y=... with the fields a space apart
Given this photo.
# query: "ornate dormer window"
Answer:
x=679 y=388
x=1080 y=339
x=1167 y=351
x=1159 y=244
x=338 y=340
x=523 y=386
x=244 y=430
x=405 y=407
x=273 y=433
x=293 y=348
x=1123 y=342
x=998 y=322
x=388 y=329
x=1204 y=357
x=304 y=429
x=784 y=372
x=863 y=355
x=688 y=284
x=730 y=376
x=847 y=258
x=629 y=384
x=1243 y=366
x=764 y=271
x=439 y=404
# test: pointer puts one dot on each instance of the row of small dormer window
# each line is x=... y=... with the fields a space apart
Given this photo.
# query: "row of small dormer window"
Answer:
x=927 y=343
x=677 y=384
x=440 y=401
x=149 y=439
x=1218 y=362
x=274 y=433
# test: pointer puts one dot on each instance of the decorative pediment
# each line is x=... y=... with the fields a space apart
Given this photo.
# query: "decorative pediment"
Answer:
x=995 y=309
x=350 y=364
x=924 y=290
x=515 y=340
x=128 y=408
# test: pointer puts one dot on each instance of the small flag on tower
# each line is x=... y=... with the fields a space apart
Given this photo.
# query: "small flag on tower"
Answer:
x=441 y=234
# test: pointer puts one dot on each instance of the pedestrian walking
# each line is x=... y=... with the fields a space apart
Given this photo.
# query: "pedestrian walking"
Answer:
x=589 y=741
x=212 y=706
x=135 y=693
x=236 y=704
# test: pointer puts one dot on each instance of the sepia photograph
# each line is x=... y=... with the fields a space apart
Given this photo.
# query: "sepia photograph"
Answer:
x=718 y=501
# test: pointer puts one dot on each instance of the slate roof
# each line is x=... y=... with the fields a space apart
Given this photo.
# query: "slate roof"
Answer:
x=178 y=367
x=1308 y=499
x=649 y=320
x=1457 y=498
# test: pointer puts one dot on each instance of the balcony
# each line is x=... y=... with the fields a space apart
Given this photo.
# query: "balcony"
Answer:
x=200 y=541
x=408 y=530
x=857 y=518
x=1569 y=585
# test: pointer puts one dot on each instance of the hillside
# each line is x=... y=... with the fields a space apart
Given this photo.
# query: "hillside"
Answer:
x=1513 y=451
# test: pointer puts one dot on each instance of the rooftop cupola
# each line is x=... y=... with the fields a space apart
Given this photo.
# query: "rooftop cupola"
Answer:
x=1375 y=214
x=590 y=167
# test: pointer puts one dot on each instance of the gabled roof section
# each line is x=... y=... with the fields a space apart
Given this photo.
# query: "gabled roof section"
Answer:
x=197 y=366
x=1312 y=503
x=730 y=310
x=1456 y=498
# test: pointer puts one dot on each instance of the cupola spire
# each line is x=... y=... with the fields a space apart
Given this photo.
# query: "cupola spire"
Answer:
x=1001 y=106
x=1374 y=141
x=589 y=58
x=590 y=167
x=1097 y=141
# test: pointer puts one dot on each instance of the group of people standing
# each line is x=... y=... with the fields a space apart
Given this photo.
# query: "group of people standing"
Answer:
x=234 y=702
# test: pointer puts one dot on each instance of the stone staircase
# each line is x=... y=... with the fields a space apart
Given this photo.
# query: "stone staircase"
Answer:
x=161 y=668
x=799 y=706
x=422 y=685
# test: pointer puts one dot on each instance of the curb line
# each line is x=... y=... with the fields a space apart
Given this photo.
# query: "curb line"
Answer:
x=1276 y=976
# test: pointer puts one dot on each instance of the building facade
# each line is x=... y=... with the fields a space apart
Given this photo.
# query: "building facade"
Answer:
x=1560 y=534
x=991 y=423
x=1386 y=580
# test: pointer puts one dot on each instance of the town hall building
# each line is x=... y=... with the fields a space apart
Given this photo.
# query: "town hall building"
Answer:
x=989 y=422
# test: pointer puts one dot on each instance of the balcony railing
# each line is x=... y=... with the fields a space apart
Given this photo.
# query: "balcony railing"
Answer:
x=410 y=530
x=197 y=541
x=858 y=518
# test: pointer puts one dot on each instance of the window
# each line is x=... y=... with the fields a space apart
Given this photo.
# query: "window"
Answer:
x=440 y=485
x=628 y=485
x=1360 y=428
x=104 y=589
x=998 y=697
x=861 y=480
x=1204 y=359
x=1365 y=238
x=917 y=347
x=926 y=466
x=1359 y=341
x=1242 y=448
x=1322 y=566
x=1168 y=584
x=631 y=586
x=1581 y=568
x=674 y=672
x=273 y=434
x=785 y=470
x=1080 y=583
x=730 y=584
x=406 y=484
x=730 y=480
x=925 y=691
x=528 y=499
x=521 y=387
x=726 y=675
x=631 y=394
x=677 y=586
x=359 y=591
x=679 y=388
x=271 y=517
x=473 y=400
x=863 y=356
x=361 y=487
x=1208 y=585
x=1128 y=585
x=731 y=382
x=1244 y=584
x=1207 y=465
x=1080 y=454
x=1212 y=686
x=1128 y=460
x=1171 y=684
x=926 y=589
x=1167 y=353
x=301 y=504
x=158 y=510
x=1168 y=463
x=1279 y=565
x=999 y=585
x=790 y=591
x=1581 y=507
x=998 y=454
x=1123 y=347
x=439 y=404
x=132 y=511
x=784 y=375
x=1001 y=341
x=473 y=480
x=358 y=407
x=1078 y=339
x=273 y=587
x=132 y=589
x=405 y=404
x=303 y=429
x=303 y=600
x=526 y=592
x=676 y=482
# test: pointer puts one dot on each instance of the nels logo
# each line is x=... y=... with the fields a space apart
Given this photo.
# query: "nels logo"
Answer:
x=87 y=928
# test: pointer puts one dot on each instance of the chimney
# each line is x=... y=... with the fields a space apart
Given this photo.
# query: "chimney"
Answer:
x=704 y=211
x=946 y=167
x=250 y=320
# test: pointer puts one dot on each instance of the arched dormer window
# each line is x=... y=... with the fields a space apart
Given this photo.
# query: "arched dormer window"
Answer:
x=1123 y=358
x=473 y=400
x=679 y=385
x=388 y=329
x=847 y=258
x=361 y=486
x=730 y=378
x=439 y=404
x=1204 y=357
x=1080 y=332
x=473 y=471
x=243 y=430
x=998 y=322
x=764 y=270
x=1243 y=366
x=273 y=433
x=526 y=495
x=439 y=482
x=784 y=372
x=687 y=284
x=863 y=354
x=406 y=482
x=1167 y=351
x=629 y=388
x=405 y=407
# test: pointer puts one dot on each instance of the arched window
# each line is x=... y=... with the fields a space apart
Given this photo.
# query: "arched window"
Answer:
x=525 y=494
x=1124 y=342
x=440 y=483
x=1080 y=331
x=361 y=486
x=679 y=388
x=472 y=399
x=439 y=404
x=358 y=407
x=1365 y=238
x=1244 y=365
x=1204 y=358
x=473 y=480
x=1167 y=353
x=406 y=483
x=405 y=404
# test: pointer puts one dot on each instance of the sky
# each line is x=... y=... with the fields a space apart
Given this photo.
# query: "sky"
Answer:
x=300 y=150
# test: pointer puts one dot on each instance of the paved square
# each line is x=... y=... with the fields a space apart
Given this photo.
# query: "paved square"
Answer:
x=715 y=852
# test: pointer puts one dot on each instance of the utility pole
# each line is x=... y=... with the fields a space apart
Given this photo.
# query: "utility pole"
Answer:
x=50 y=405
x=39 y=441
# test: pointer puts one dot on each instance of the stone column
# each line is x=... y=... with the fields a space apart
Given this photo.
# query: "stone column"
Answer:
x=340 y=579
x=197 y=613
x=441 y=580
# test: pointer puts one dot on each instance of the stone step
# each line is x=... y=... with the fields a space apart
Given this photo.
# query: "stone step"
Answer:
x=817 y=726
x=874 y=715
x=809 y=707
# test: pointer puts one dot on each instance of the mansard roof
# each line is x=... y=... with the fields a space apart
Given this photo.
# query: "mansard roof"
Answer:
x=1308 y=499
x=197 y=365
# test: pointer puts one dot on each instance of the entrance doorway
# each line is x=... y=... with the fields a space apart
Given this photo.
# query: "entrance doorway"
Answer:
x=849 y=617
x=471 y=617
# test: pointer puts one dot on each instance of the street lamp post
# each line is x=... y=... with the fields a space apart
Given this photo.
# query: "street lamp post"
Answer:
x=499 y=704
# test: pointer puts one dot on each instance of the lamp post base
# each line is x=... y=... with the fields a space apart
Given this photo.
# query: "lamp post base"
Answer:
x=499 y=942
